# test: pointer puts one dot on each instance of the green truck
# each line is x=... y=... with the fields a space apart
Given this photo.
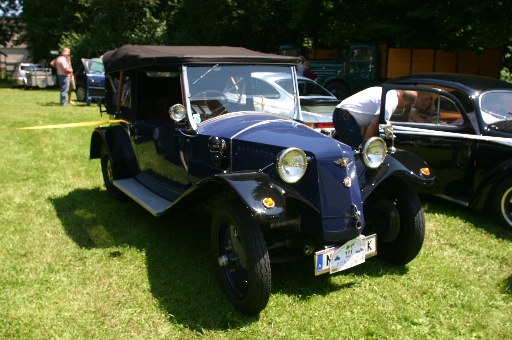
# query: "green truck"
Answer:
x=356 y=66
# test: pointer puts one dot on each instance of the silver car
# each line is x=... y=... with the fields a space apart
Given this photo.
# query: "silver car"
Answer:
x=19 y=77
x=316 y=103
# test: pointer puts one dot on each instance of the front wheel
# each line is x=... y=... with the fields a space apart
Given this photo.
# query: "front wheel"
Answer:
x=241 y=258
x=81 y=93
x=394 y=212
x=502 y=203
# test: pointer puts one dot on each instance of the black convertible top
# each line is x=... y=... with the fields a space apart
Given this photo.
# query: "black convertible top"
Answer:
x=470 y=82
x=135 y=56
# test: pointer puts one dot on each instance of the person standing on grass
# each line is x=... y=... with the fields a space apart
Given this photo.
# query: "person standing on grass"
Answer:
x=64 y=70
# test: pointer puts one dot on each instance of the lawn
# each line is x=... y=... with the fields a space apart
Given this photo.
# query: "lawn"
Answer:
x=75 y=264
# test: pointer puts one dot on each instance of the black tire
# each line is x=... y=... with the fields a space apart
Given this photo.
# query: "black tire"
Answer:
x=502 y=203
x=339 y=90
x=394 y=212
x=108 y=173
x=81 y=93
x=245 y=277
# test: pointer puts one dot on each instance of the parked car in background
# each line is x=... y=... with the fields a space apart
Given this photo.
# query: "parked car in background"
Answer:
x=316 y=103
x=193 y=127
x=467 y=139
x=19 y=76
x=40 y=77
x=90 y=81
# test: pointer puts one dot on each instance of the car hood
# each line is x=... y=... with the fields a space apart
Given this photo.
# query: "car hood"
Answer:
x=274 y=130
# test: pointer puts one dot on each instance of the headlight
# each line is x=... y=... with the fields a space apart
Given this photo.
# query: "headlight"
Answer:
x=374 y=152
x=177 y=112
x=291 y=164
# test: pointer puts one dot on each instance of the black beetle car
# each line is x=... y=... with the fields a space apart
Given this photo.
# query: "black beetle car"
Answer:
x=467 y=138
x=190 y=126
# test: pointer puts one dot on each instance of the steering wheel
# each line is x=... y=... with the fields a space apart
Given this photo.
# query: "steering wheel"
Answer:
x=217 y=106
x=210 y=93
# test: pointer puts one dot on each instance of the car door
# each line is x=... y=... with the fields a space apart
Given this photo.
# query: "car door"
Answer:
x=161 y=144
x=446 y=143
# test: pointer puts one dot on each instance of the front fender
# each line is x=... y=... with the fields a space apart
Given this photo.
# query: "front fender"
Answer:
x=401 y=163
x=251 y=188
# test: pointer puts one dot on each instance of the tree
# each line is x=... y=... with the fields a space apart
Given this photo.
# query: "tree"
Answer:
x=10 y=25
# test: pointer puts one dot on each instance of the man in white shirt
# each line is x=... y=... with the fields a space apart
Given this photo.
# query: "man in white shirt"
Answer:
x=363 y=109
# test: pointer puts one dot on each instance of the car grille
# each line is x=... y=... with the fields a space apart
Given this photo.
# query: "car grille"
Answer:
x=252 y=159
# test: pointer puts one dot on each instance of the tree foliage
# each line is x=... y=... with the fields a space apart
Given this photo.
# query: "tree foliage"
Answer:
x=10 y=25
x=91 y=27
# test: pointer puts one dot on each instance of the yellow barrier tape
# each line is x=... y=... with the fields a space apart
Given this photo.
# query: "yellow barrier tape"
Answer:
x=67 y=125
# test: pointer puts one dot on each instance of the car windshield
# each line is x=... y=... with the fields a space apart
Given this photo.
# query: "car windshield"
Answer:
x=219 y=89
x=29 y=67
x=496 y=106
x=95 y=66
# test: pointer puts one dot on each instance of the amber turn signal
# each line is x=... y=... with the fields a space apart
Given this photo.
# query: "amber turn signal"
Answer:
x=425 y=171
x=268 y=202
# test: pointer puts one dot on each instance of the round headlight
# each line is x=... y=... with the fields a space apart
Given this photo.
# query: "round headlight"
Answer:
x=291 y=164
x=374 y=152
x=177 y=112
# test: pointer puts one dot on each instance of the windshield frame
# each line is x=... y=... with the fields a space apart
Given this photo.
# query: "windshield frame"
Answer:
x=193 y=84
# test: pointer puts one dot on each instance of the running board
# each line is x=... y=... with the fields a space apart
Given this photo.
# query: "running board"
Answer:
x=153 y=203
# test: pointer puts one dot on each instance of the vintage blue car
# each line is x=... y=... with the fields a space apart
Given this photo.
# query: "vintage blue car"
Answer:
x=465 y=134
x=190 y=127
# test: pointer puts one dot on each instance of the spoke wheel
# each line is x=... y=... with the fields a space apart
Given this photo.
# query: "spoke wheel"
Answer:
x=241 y=258
x=394 y=212
x=107 y=171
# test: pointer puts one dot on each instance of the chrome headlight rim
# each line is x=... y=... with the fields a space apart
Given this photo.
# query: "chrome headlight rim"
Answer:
x=368 y=150
x=177 y=112
x=283 y=168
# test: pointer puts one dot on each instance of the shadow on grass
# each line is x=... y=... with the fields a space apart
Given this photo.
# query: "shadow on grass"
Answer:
x=179 y=260
x=176 y=248
x=479 y=219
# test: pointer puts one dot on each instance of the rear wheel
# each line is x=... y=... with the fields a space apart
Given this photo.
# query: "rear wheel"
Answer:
x=394 y=212
x=108 y=175
x=502 y=203
x=339 y=90
x=241 y=258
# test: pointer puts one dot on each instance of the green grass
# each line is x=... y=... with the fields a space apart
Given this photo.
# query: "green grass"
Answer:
x=76 y=265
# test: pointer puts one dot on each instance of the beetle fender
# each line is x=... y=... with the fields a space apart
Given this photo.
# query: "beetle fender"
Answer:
x=402 y=163
x=489 y=183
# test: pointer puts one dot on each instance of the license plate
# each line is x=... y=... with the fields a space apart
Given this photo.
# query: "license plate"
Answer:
x=351 y=254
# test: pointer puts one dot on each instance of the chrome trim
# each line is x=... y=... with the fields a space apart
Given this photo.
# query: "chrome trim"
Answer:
x=448 y=198
x=447 y=134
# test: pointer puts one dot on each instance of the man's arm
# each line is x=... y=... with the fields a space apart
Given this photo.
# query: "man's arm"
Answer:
x=372 y=129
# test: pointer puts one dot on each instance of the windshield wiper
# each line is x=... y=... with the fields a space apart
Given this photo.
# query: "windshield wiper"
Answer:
x=211 y=68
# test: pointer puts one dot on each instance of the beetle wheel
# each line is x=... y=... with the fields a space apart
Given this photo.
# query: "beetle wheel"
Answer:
x=394 y=212
x=241 y=258
x=502 y=203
